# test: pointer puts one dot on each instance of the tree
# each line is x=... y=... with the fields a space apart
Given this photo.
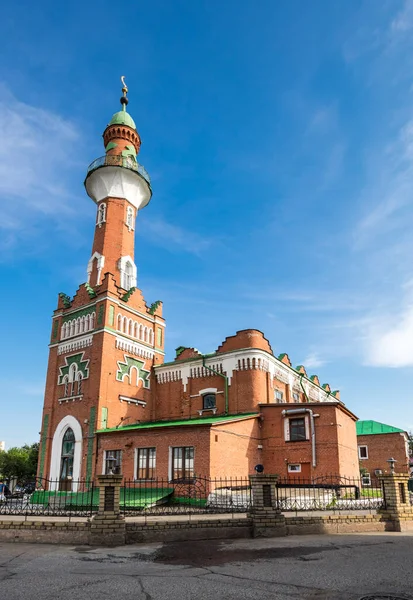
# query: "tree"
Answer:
x=19 y=462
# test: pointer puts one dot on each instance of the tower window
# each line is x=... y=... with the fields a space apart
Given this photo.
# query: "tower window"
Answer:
x=101 y=214
x=128 y=276
x=130 y=217
x=209 y=401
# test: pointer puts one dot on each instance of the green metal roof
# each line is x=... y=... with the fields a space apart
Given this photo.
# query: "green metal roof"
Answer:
x=185 y=422
x=122 y=118
x=374 y=428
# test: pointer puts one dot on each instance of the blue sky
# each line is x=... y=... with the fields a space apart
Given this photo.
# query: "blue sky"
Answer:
x=279 y=140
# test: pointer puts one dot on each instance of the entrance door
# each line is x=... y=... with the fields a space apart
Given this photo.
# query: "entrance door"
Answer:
x=66 y=462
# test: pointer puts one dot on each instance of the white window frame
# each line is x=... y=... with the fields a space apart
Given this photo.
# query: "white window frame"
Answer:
x=170 y=458
x=136 y=464
x=291 y=468
x=364 y=477
x=122 y=268
x=279 y=400
x=298 y=396
x=287 y=428
x=130 y=217
x=359 y=453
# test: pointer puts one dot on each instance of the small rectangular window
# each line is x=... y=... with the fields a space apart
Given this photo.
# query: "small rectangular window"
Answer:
x=297 y=430
x=363 y=452
x=183 y=463
x=296 y=397
x=146 y=463
x=366 y=479
x=294 y=468
x=113 y=462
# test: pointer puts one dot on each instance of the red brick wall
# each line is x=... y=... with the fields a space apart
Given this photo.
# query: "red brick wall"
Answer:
x=162 y=440
x=234 y=448
x=278 y=453
x=381 y=447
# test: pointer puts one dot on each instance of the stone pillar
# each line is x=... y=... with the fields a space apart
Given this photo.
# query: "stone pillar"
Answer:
x=397 y=511
x=107 y=527
x=267 y=519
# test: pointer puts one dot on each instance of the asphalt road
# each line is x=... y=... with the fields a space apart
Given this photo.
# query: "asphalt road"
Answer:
x=341 y=567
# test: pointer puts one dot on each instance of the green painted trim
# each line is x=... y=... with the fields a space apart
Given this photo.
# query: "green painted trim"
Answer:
x=187 y=422
x=82 y=366
x=125 y=369
x=100 y=314
x=128 y=294
x=104 y=418
x=90 y=291
x=43 y=442
x=110 y=146
x=111 y=318
x=88 y=310
x=91 y=436
x=67 y=302
x=55 y=329
x=154 y=306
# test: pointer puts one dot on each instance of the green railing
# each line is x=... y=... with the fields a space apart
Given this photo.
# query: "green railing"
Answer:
x=127 y=162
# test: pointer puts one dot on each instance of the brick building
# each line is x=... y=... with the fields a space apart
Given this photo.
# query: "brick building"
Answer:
x=377 y=443
x=111 y=399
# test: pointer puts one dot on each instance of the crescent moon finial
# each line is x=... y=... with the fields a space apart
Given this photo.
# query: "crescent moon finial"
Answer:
x=125 y=87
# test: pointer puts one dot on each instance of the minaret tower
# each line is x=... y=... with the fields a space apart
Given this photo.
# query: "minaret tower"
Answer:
x=106 y=339
x=120 y=186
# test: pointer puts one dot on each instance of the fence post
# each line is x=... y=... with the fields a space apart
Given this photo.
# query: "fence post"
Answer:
x=397 y=509
x=267 y=519
x=107 y=527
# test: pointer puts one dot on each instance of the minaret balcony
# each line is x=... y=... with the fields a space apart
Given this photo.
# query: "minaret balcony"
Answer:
x=114 y=175
x=116 y=160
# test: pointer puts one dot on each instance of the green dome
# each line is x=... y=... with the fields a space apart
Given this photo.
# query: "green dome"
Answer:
x=122 y=118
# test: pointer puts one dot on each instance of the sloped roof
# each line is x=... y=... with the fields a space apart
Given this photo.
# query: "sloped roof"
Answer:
x=374 y=428
x=183 y=422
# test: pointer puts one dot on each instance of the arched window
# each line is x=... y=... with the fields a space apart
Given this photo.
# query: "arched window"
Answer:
x=68 y=451
x=82 y=324
x=119 y=323
x=125 y=325
x=63 y=331
x=130 y=328
x=145 y=334
x=141 y=332
x=92 y=320
x=72 y=328
x=150 y=336
x=101 y=214
x=77 y=327
x=128 y=276
x=87 y=323
x=209 y=401
x=130 y=216
x=135 y=330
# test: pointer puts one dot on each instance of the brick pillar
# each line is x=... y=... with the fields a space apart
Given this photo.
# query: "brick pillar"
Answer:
x=107 y=527
x=267 y=519
x=397 y=510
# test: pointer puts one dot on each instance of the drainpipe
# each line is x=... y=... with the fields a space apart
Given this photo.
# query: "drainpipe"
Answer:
x=296 y=411
x=221 y=375
x=302 y=387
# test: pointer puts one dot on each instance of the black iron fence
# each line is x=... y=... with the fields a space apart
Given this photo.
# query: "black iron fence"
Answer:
x=197 y=495
x=50 y=497
x=330 y=492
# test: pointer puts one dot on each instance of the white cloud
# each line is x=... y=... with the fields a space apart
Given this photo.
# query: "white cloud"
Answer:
x=173 y=237
x=389 y=343
x=37 y=150
x=313 y=360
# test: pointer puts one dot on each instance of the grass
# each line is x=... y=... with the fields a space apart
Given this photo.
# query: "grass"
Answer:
x=137 y=498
